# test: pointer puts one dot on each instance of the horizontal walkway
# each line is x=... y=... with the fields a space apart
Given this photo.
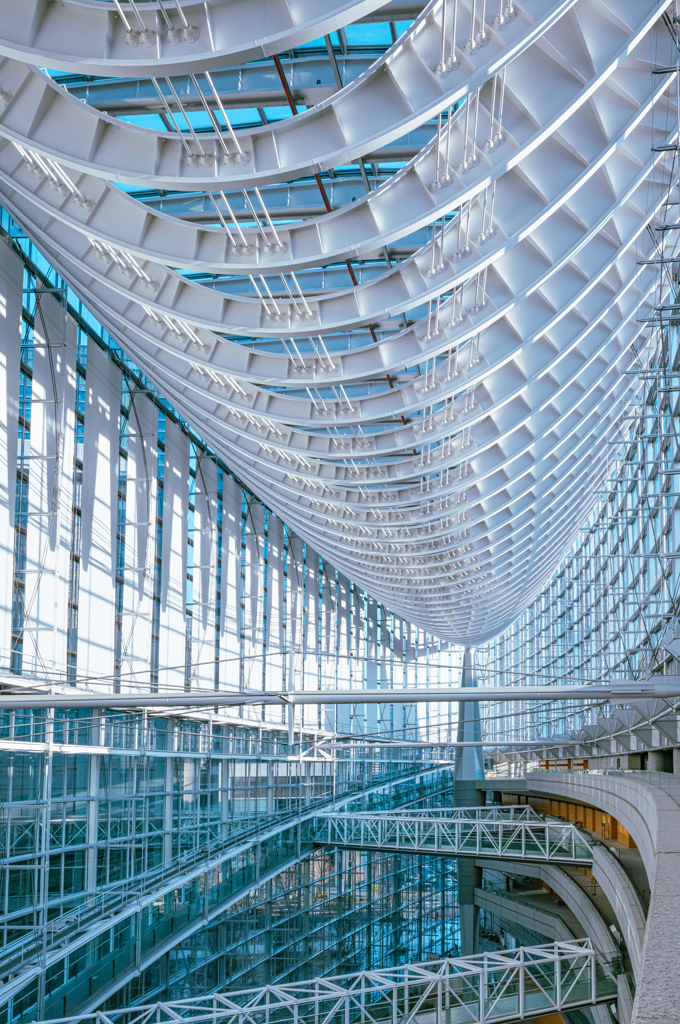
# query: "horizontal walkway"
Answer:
x=467 y=832
x=482 y=988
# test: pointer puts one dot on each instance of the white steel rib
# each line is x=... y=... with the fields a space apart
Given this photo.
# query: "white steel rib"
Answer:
x=102 y=37
x=447 y=464
x=401 y=90
x=498 y=362
x=616 y=94
x=433 y=270
x=463 y=554
x=455 y=536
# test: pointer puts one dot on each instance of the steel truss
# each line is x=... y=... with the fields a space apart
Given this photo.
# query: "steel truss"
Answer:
x=496 y=835
x=158 y=904
x=466 y=990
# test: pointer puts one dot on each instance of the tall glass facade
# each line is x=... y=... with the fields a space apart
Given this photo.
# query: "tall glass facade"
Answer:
x=136 y=848
x=174 y=573
x=150 y=855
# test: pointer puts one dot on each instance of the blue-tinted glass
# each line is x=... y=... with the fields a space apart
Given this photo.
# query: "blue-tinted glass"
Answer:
x=145 y=121
x=369 y=35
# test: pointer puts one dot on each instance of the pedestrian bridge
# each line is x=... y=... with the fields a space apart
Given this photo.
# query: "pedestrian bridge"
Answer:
x=478 y=989
x=519 y=833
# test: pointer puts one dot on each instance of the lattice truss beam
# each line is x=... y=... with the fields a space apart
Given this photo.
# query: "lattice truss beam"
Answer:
x=487 y=987
x=525 y=837
x=444 y=461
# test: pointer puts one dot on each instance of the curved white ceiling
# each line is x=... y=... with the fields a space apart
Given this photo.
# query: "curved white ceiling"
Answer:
x=445 y=465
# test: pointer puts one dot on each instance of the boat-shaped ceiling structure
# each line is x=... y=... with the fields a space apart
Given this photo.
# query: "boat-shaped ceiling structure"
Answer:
x=421 y=380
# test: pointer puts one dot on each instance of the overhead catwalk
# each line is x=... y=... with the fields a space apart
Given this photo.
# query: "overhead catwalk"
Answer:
x=447 y=462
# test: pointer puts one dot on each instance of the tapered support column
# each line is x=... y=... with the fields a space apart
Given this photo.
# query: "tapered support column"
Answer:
x=469 y=760
x=469 y=768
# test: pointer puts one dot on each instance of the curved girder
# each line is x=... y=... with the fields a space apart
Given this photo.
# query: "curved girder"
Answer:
x=525 y=267
x=378 y=107
x=468 y=592
x=577 y=343
x=317 y=537
x=617 y=80
x=167 y=294
x=447 y=466
x=91 y=37
x=547 y=287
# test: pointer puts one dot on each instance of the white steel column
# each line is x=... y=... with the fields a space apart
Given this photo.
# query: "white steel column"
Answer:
x=274 y=667
x=230 y=642
x=204 y=573
x=254 y=573
x=50 y=489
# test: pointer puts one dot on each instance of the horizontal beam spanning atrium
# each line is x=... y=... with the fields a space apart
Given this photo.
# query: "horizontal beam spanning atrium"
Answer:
x=421 y=380
x=617 y=690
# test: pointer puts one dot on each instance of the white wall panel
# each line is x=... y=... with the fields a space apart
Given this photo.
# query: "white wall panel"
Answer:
x=296 y=592
x=310 y=666
x=230 y=643
x=343 y=599
x=96 y=619
x=384 y=668
x=204 y=573
x=274 y=672
x=172 y=631
x=344 y=673
x=50 y=490
x=11 y=271
x=371 y=710
x=398 y=644
x=357 y=711
x=327 y=626
x=252 y=647
x=140 y=541
x=67 y=417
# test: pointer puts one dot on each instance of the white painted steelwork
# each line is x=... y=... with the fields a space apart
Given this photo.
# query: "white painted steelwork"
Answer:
x=176 y=698
x=532 y=839
x=117 y=37
x=466 y=990
x=445 y=465
x=494 y=813
x=400 y=88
